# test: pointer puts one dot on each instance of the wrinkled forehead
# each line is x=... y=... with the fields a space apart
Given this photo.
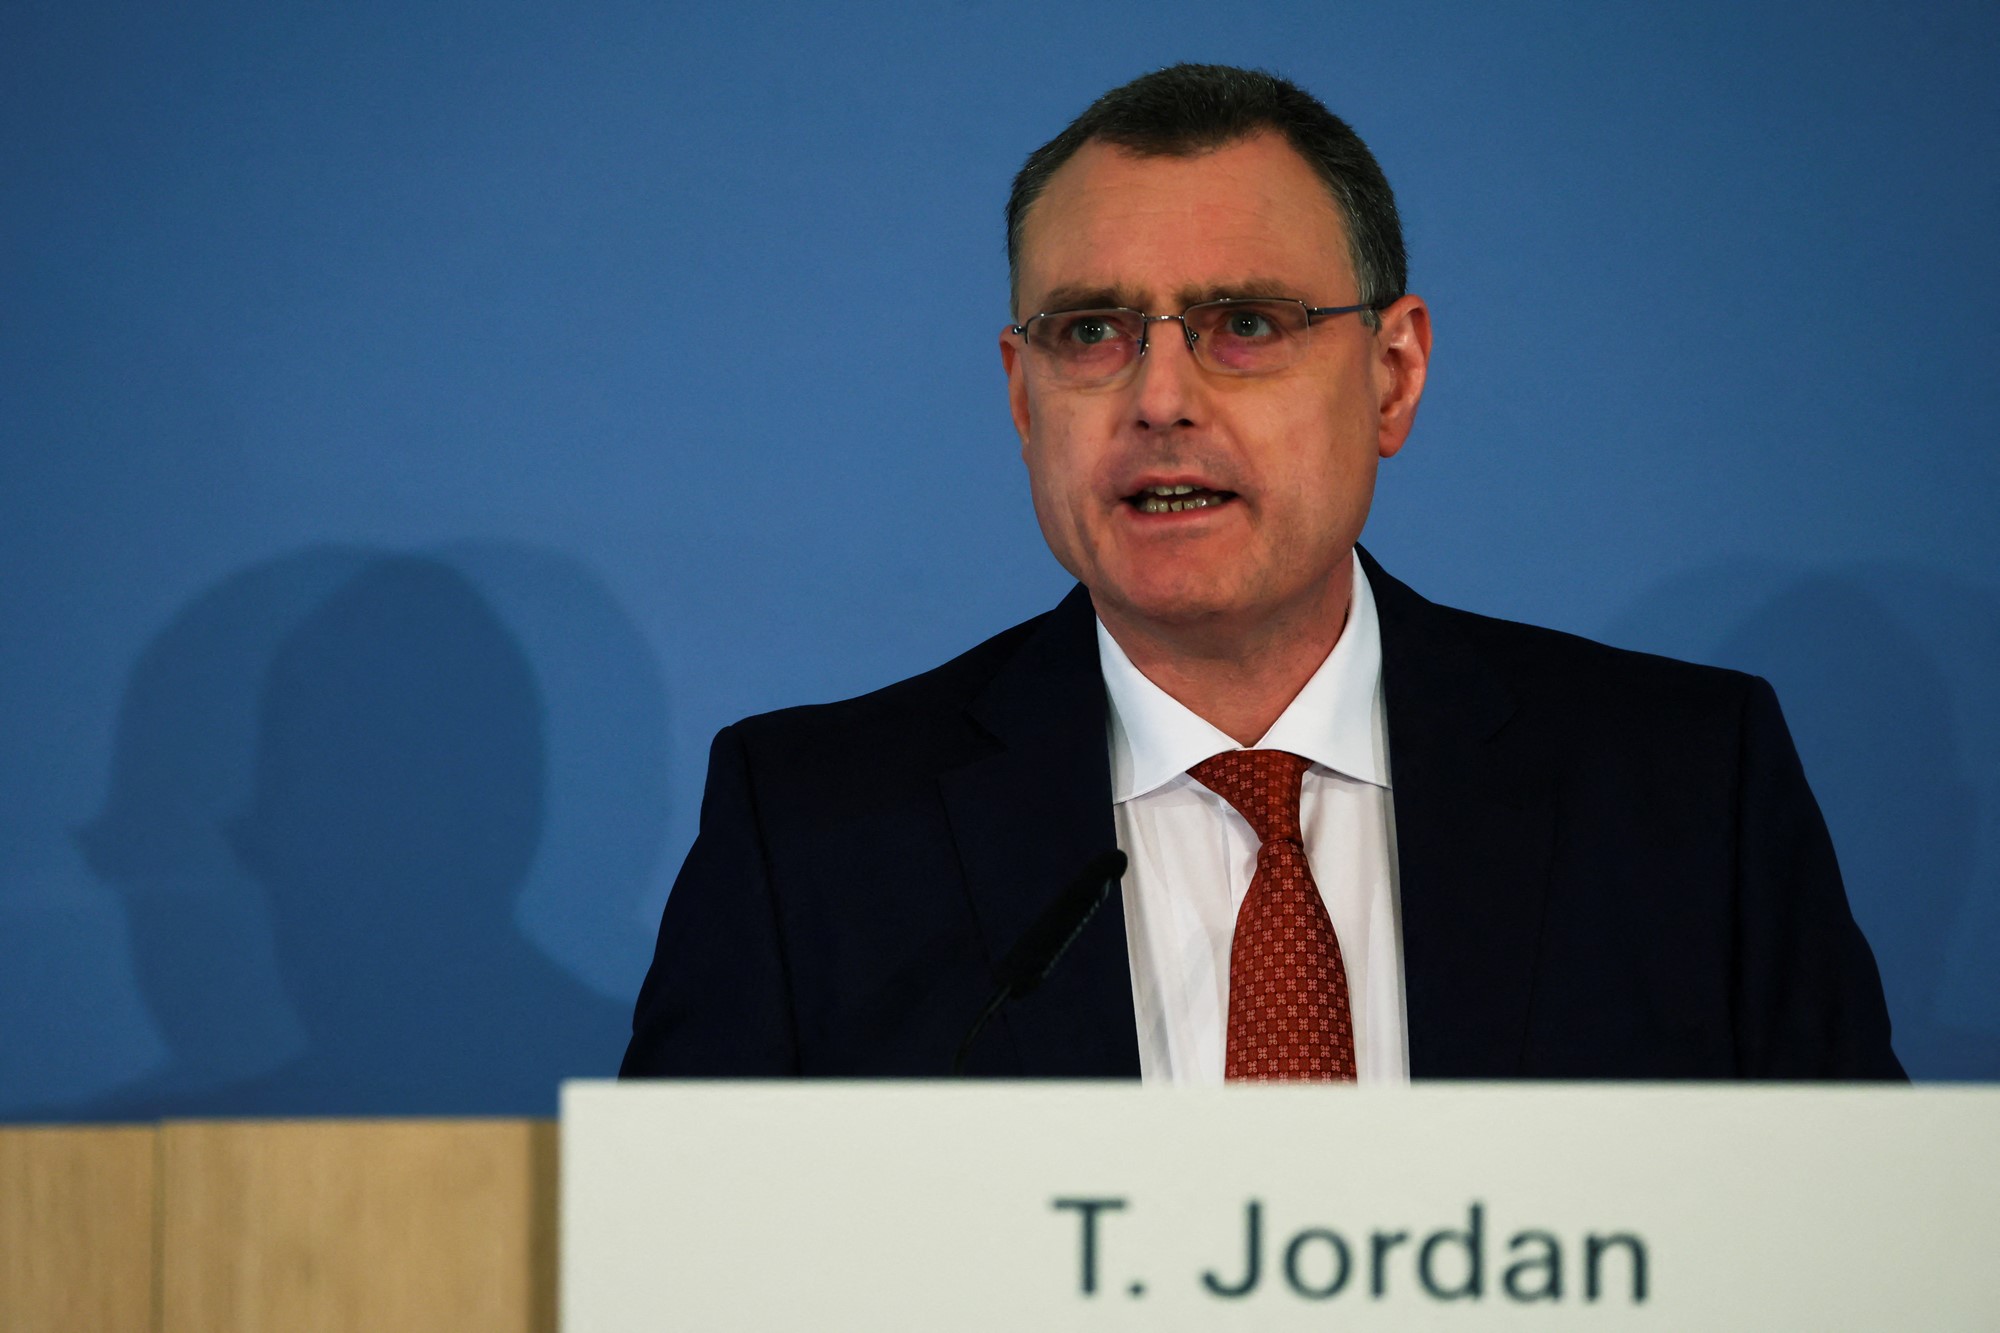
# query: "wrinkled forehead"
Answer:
x=1248 y=218
x=1084 y=296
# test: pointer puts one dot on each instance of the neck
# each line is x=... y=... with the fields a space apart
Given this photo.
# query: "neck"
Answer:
x=1237 y=678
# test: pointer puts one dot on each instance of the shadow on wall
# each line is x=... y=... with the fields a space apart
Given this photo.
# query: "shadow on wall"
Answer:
x=590 y=900
x=331 y=785
x=1890 y=681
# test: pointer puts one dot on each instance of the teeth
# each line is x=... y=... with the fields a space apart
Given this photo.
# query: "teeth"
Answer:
x=1183 y=490
x=1159 y=504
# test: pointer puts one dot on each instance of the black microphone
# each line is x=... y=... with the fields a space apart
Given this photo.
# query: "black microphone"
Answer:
x=1043 y=944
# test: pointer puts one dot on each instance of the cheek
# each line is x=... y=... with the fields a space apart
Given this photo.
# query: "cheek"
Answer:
x=1062 y=456
x=1052 y=486
x=1323 y=472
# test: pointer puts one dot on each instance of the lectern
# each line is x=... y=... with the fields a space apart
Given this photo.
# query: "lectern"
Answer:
x=303 y=1226
x=969 y=1206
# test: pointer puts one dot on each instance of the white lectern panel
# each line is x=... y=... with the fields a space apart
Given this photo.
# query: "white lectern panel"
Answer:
x=1093 y=1206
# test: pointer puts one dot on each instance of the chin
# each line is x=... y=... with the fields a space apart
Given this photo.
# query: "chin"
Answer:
x=1179 y=604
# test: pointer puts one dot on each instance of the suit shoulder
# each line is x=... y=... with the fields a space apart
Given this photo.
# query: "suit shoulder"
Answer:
x=1586 y=675
x=916 y=706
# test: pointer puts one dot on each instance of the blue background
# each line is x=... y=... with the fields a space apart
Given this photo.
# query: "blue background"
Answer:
x=422 y=426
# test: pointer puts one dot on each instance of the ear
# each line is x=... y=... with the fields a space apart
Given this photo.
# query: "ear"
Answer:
x=1017 y=382
x=1402 y=358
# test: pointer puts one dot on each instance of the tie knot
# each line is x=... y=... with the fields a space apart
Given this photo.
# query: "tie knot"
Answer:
x=1263 y=785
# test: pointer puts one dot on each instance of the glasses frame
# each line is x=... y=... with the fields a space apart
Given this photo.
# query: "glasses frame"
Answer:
x=1146 y=321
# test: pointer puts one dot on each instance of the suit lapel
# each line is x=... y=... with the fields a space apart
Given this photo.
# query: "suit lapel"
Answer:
x=1474 y=826
x=1025 y=818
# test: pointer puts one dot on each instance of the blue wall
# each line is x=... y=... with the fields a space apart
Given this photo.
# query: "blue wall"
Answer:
x=422 y=425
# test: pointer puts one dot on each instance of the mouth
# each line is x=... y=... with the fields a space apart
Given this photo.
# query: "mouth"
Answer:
x=1177 y=498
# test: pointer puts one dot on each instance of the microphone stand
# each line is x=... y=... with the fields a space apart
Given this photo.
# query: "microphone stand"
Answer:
x=1044 y=943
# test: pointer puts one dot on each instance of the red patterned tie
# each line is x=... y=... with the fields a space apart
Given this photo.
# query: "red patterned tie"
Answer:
x=1288 y=1012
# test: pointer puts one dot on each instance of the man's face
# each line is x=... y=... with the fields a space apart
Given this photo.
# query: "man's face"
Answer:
x=1291 y=455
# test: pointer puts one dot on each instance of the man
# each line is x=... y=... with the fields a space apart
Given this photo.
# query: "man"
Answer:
x=1370 y=838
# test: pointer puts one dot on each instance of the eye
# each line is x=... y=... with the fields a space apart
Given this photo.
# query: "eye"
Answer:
x=1087 y=346
x=1089 y=331
x=1250 y=325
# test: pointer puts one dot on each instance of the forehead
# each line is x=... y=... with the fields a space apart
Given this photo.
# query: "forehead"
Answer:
x=1156 y=230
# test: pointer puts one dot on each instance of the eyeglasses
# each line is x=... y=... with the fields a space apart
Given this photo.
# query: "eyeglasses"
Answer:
x=1251 y=336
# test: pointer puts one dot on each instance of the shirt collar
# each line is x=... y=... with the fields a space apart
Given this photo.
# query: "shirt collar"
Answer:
x=1336 y=720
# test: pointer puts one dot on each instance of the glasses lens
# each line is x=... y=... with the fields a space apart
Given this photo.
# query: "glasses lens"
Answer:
x=1249 y=337
x=1087 y=345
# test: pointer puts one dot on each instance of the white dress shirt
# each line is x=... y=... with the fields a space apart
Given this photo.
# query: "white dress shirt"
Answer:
x=1192 y=855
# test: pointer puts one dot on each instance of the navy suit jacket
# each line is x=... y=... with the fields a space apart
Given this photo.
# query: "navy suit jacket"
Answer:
x=1610 y=867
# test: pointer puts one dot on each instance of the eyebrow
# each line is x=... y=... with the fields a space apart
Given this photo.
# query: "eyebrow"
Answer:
x=1082 y=297
x=1093 y=298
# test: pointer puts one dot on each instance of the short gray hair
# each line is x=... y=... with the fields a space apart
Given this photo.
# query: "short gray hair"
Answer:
x=1187 y=109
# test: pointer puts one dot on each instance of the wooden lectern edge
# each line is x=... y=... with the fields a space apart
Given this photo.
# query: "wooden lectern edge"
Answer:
x=186 y=1224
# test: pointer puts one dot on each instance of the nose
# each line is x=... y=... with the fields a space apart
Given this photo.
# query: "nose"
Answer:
x=1167 y=385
